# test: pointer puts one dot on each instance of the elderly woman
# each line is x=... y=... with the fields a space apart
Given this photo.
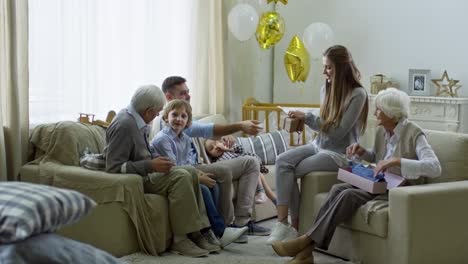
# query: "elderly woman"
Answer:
x=400 y=147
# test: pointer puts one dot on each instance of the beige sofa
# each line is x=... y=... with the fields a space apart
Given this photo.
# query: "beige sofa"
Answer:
x=422 y=224
x=125 y=220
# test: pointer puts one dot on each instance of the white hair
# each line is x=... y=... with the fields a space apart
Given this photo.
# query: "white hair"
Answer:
x=393 y=103
x=148 y=96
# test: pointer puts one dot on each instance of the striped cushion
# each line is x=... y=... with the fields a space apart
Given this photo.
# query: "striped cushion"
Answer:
x=266 y=146
x=27 y=209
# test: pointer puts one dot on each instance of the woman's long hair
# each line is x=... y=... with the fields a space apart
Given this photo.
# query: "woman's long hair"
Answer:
x=345 y=79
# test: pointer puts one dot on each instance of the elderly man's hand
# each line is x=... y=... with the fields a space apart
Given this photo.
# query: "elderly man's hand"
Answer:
x=251 y=127
x=162 y=164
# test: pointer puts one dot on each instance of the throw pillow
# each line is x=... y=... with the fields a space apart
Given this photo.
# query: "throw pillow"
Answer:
x=52 y=248
x=266 y=146
x=27 y=209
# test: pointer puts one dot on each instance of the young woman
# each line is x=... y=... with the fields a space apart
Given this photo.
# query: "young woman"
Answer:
x=342 y=119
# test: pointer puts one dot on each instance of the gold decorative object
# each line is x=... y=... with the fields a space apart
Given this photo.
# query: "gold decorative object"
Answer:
x=452 y=87
x=86 y=118
x=276 y=1
x=446 y=86
x=270 y=29
x=380 y=82
x=297 y=60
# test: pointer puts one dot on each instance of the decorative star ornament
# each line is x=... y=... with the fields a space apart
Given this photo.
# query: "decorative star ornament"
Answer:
x=276 y=1
x=441 y=84
x=452 y=87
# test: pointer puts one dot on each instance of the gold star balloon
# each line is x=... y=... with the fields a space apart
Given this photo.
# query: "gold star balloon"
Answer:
x=276 y=1
x=270 y=29
x=297 y=61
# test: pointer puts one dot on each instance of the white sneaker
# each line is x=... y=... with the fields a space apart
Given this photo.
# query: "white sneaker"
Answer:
x=281 y=232
x=231 y=234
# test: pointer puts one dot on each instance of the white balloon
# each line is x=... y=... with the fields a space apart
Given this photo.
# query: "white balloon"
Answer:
x=242 y=21
x=317 y=38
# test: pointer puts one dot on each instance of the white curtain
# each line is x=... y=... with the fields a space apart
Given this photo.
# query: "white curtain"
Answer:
x=208 y=60
x=89 y=56
x=13 y=87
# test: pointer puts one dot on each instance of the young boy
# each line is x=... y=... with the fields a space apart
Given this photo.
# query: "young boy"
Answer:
x=218 y=151
x=172 y=142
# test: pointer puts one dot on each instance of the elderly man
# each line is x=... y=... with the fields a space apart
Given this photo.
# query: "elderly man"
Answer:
x=128 y=151
x=400 y=147
x=243 y=169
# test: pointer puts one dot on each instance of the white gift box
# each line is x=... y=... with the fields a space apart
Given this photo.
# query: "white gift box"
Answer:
x=391 y=181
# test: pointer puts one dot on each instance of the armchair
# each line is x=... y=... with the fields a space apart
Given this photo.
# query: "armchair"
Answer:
x=422 y=224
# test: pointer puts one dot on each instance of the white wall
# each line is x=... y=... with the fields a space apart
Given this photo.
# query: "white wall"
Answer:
x=249 y=69
x=384 y=36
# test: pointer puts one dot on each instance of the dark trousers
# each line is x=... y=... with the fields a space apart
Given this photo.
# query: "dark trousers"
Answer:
x=211 y=197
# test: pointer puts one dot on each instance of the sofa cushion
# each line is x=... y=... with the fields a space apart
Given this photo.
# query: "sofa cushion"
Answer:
x=450 y=148
x=27 y=209
x=377 y=221
x=52 y=248
x=266 y=146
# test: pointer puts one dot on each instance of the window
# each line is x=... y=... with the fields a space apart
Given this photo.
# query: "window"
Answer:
x=89 y=56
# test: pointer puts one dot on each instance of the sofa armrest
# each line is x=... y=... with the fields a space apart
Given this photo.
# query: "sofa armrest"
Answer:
x=99 y=185
x=312 y=184
x=428 y=223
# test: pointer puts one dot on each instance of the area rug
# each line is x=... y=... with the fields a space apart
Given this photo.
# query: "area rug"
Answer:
x=254 y=252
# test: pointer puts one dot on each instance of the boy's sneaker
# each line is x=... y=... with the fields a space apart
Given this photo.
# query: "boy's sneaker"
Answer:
x=242 y=239
x=256 y=230
x=232 y=234
x=281 y=232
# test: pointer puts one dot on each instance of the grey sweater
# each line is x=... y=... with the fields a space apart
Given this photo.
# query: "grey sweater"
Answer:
x=340 y=136
x=127 y=150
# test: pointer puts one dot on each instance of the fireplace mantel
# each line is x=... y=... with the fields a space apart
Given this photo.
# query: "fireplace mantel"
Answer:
x=430 y=112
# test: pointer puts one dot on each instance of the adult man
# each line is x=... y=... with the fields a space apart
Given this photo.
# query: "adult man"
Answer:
x=243 y=169
x=127 y=151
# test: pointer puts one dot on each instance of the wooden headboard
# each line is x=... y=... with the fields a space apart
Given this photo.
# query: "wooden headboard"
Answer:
x=253 y=109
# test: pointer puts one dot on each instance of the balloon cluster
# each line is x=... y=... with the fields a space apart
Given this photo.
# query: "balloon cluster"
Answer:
x=243 y=22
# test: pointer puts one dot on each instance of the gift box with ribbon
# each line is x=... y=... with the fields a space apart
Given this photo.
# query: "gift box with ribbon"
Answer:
x=293 y=124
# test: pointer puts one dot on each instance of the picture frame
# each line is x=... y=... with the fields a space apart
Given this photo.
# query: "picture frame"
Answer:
x=419 y=82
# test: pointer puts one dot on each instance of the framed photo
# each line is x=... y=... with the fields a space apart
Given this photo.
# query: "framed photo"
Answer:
x=419 y=82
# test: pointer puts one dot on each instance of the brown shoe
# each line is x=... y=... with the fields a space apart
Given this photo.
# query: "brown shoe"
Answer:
x=187 y=248
x=202 y=243
x=309 y=260
x=290 y=248
x=306 y=256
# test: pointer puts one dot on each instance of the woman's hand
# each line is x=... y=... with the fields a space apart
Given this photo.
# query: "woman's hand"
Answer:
x=222 y=146
x=297 y=115
x=228 y=141
x=355 y=149
x=383 y=165
x=205 y=179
